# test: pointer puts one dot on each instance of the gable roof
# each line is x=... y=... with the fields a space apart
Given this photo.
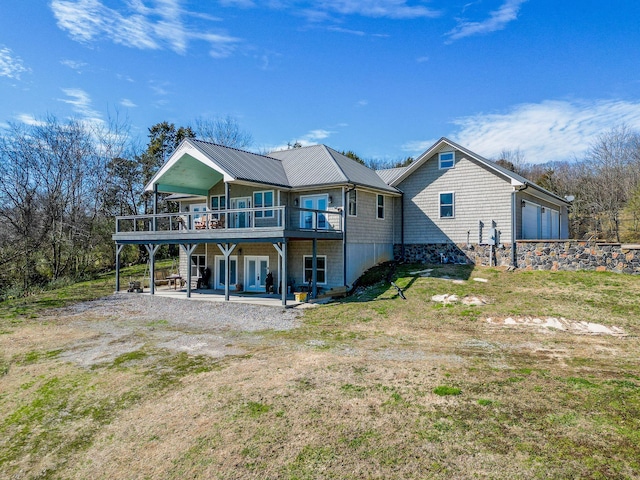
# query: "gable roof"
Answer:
x=242 y=165
x=196 y=165
x=517 y=181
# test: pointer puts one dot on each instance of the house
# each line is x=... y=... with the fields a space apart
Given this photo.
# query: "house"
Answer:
x=313 y=217
x=308 y=216
x=456 y=204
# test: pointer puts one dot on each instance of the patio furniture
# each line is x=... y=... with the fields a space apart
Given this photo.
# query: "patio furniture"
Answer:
x=174 y=278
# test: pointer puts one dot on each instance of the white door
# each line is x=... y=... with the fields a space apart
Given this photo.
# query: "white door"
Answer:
x=255 y=273
x=196 y=210
x=312 y=220
x=241 y=219
x=220 y=272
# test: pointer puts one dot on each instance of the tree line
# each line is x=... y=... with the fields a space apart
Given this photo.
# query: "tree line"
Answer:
x=604 y=185
x=62 y=183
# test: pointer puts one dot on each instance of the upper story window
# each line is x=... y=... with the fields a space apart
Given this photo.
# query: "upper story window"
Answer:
x=261 y=200
x=352 y=199
x=218 y=202
x=380 y=206
x=446 y=160
x=447 y=204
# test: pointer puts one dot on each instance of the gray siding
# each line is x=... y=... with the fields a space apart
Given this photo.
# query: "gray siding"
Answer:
x=366 y=227
x=480 y=195
x=333 y=251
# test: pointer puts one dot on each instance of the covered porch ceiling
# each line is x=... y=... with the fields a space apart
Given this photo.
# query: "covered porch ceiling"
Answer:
x=188 y=175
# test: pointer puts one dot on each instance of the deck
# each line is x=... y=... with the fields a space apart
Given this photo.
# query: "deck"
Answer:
x=230 y=226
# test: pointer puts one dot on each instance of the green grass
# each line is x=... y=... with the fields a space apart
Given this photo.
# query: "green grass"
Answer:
x=367 y=387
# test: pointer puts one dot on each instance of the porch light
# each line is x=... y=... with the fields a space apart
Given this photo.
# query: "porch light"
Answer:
x=295 y=202
x=330 y=200
x=523 y=203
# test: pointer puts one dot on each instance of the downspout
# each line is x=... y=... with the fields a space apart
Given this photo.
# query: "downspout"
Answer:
x=513 y=227
x=345 y=207
x=402 y=227
x=514 y=203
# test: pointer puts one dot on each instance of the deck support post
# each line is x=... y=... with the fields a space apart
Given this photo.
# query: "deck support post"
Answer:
x=119 y=248
x=188 y=249
x=226 y=250
x=281 y=248
x=314 y=270
x=155 y=207
x=151 y=250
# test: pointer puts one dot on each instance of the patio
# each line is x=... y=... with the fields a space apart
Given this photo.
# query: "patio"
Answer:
x=210 y=295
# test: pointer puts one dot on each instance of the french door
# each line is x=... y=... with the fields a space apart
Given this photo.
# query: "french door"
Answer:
x=255 y=273
x=197 y=212
x=313 y=220
x=241 y=219
x=221 y=272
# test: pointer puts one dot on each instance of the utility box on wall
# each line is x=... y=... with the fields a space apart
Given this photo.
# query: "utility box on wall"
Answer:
x=493 y=236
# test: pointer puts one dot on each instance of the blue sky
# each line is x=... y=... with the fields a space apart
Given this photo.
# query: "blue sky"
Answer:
x=384 y=78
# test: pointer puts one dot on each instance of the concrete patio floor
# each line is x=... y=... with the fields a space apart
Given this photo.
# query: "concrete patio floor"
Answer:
x=207 y=295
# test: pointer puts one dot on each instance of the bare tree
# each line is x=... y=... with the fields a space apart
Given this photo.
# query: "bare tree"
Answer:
x=612 y=172
x=53 y=187
x=222 y=131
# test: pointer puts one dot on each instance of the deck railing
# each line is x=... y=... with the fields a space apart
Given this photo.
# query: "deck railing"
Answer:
x=287 y=218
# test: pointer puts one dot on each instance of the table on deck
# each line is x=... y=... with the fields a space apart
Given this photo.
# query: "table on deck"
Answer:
x=174 y=278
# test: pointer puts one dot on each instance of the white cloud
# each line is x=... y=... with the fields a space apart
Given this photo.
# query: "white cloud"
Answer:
x=396 y=9
x=498 y=19
x=547 y=131
x=125 y=102
x=29 y=119
x=142 y=27
x=73 y=64
x=313 y=137
x=81 y=104
x=10 y=65
x=358 y=33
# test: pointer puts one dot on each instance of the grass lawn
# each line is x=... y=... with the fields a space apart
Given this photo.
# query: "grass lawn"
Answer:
x=371 y=386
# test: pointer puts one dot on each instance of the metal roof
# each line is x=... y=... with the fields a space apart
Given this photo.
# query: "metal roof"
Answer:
x=243 y=165
x=388 y=175
x=321 y=165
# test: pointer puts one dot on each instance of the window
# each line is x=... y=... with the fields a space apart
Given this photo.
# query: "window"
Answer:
x=446 y=160
x=321 y=270
x=446 y=205
x=198 y=264
x=262 y=200
x=352 y=200
x=380 y=206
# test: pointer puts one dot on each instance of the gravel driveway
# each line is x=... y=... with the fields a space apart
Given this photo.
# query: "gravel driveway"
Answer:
x=124 y=323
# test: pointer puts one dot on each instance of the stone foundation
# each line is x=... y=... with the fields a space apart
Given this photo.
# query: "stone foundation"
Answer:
x=567 y=255
x=465 y=254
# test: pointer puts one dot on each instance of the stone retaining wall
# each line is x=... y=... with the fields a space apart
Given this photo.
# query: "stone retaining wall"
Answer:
x=578 y=255
x=531 y=255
